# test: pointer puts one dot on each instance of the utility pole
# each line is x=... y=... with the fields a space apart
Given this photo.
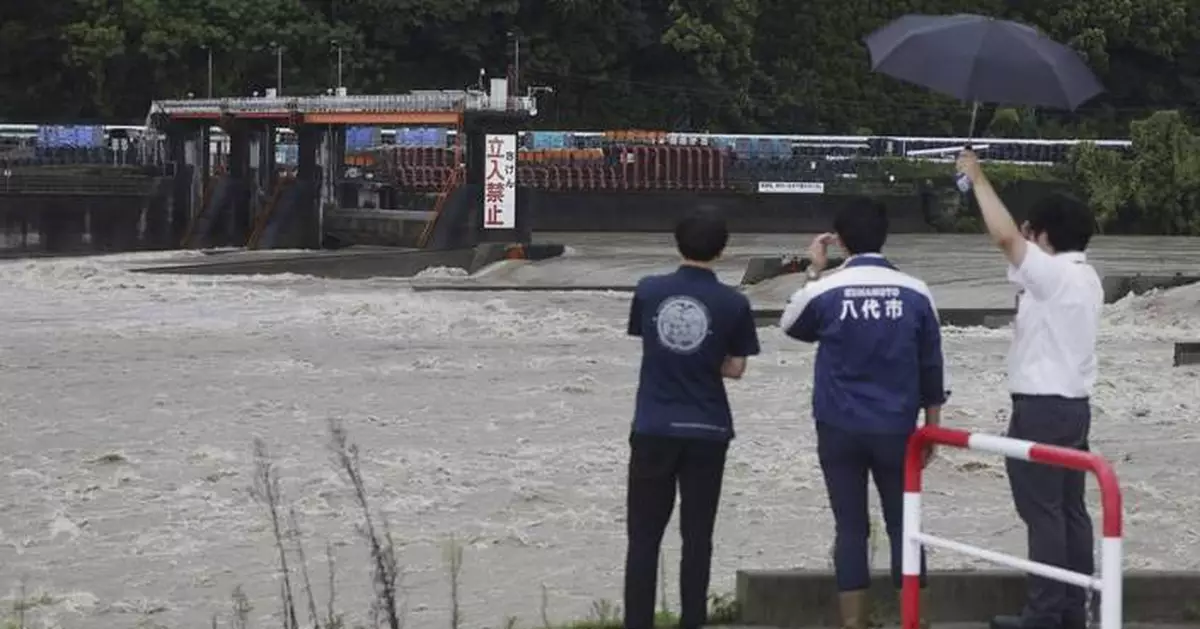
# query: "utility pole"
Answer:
x=209 y=50
x=338 y=46
x=515 y=36
x=278 y=68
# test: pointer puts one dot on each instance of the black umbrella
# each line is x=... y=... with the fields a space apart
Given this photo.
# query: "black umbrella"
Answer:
x=981 y=59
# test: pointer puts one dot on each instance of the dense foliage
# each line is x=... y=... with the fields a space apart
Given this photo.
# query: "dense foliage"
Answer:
x=728 y=65
x=1156 y=189
x=1153 y=188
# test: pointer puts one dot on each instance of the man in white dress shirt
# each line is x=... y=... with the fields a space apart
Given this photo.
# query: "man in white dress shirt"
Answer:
x=1051 y=372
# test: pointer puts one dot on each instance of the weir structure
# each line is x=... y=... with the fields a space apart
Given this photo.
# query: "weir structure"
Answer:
x=239 y=195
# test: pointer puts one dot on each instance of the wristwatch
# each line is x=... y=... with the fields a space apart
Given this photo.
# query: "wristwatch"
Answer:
x=811 y=274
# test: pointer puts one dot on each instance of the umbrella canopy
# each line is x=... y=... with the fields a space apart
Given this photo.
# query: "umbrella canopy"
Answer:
x=981 y=59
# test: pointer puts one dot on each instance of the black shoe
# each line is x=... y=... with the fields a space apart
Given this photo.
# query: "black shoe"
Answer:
x=1017 y=622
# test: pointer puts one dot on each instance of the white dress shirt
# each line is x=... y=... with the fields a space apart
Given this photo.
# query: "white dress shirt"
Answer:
x=1053 y=349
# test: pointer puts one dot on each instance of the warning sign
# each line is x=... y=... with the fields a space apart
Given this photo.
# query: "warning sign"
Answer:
x=500 y=182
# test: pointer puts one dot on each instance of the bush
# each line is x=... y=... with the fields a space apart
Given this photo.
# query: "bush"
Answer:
x=1103 y=177
x=1155 y=189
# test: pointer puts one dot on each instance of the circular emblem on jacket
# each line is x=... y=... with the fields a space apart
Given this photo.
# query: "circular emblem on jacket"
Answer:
x=683 y=324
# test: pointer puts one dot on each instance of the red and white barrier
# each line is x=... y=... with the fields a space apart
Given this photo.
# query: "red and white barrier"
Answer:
x=1109 y=582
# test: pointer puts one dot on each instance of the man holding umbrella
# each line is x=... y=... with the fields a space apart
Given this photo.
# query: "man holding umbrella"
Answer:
x=1052 y=362
x=1051 y=372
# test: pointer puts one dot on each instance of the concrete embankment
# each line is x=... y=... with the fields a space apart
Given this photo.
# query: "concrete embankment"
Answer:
x=802 y=598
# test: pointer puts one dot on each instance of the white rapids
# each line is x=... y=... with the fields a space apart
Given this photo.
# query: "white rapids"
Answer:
x=128 y=404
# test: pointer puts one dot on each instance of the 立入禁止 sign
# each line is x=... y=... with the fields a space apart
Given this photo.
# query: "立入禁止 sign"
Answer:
x=500 y=182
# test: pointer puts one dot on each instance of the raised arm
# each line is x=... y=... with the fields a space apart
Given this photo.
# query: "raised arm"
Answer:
x=1031 y=268
x=800 y=320
x=1000 y=224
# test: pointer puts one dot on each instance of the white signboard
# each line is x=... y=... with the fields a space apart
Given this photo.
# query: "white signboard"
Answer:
x=791 y=187
x=500 y=182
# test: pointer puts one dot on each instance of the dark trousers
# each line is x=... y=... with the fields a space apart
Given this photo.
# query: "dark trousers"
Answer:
x=846 y=460
x=1050 y=500
x=656 y=466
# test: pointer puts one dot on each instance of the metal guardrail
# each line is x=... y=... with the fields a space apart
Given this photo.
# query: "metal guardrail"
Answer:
x=90 y=186
x=1109 y=583
x=454 y=101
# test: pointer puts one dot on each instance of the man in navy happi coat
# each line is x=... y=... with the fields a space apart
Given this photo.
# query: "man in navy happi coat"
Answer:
x=878 y=365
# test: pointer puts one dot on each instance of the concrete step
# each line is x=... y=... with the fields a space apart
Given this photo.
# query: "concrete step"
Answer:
x=808 y=598
x=979 y=625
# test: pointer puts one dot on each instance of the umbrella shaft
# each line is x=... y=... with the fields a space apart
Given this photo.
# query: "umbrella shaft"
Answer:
x=974 y=116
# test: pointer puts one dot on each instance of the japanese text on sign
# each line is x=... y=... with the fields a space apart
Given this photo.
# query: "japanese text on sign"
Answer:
x=500 y=182
x=876 y=302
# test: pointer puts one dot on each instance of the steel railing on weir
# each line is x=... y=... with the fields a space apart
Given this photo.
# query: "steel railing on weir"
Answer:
x=421 y=102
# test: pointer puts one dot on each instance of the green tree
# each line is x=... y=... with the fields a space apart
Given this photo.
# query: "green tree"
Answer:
x=734 y=66
x=1103 y=176
x=93 y=42
x=1156 y=189
x=714 y=38
x=1166 y=168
